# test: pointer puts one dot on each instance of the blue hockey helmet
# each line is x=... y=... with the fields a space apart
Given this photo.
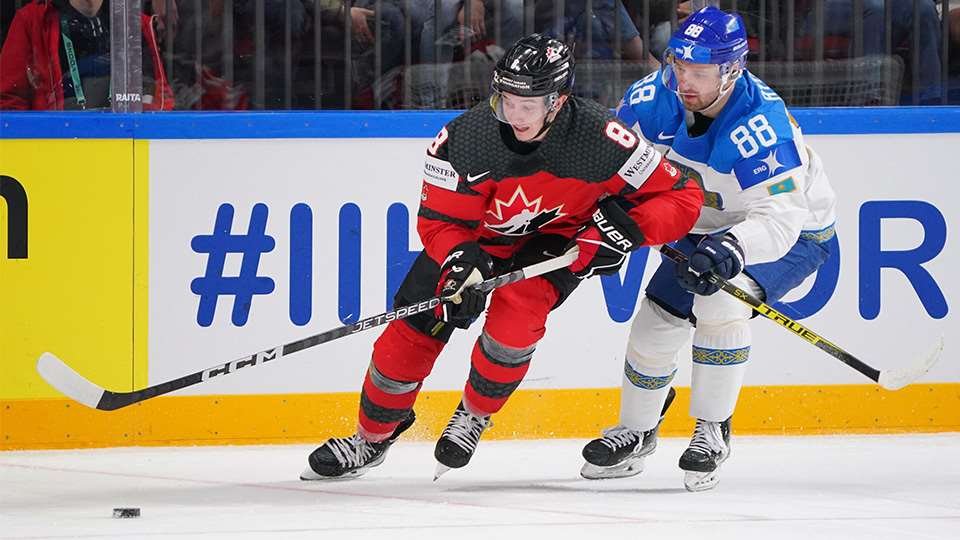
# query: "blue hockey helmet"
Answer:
x=709 y=36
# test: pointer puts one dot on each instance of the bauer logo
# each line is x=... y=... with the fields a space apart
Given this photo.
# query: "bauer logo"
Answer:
x=16 y=198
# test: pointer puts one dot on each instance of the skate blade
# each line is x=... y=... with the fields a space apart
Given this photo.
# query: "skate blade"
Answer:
x=310 y=475
x=440 y=471
x=701 y=481
x=630 y=467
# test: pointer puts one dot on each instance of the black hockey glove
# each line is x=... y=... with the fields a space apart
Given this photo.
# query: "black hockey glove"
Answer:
x=466 y=265
x=606 y=241
x=721 y=255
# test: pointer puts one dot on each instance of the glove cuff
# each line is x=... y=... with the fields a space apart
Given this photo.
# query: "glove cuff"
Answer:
x=734 y=246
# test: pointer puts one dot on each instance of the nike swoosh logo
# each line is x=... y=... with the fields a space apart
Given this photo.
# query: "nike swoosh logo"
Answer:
x=663 y=137
x=471 y=178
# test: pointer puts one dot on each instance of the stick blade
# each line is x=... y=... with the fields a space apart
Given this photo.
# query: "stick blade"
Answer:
x=70 y=383
x=895 y=379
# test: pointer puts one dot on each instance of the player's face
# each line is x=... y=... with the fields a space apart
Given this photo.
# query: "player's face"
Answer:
x=698 y=84
x=525 y=115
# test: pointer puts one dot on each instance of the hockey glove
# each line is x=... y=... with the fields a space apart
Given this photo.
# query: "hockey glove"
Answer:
x=606 y=241
x=466 y=265
x=721 y=255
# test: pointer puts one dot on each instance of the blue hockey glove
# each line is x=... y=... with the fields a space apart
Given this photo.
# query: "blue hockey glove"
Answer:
x=721 y=255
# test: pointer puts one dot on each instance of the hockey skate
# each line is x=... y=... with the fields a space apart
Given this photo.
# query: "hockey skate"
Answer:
x=459 y=440
x=621 y=451
x=349 y=457
x=708 y=449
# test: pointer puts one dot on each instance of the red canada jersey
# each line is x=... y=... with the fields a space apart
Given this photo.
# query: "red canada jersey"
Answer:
x=475 y=188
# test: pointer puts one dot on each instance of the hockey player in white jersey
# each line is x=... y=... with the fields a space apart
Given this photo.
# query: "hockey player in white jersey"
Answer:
x=767 y=218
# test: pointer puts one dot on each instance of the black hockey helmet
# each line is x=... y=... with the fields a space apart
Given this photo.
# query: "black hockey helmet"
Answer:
x=537 y=65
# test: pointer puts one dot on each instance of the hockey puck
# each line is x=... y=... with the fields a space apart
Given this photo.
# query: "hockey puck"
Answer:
x=123 y=513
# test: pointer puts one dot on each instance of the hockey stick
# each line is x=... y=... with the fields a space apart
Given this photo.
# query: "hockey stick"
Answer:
x=891 y=379
x=62 y=377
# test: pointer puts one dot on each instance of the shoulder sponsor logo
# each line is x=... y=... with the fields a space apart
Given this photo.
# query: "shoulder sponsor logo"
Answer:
x=781 y=159
x=640 y=165
x=440 y=173
x=471 y=178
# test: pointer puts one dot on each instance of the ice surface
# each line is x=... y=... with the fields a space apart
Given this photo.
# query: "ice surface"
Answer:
x=852 y=487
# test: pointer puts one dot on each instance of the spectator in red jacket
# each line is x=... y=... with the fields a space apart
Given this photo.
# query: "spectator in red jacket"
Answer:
x=56 y=56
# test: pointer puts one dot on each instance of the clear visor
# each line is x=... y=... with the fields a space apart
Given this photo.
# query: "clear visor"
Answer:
x=694 y=75
x=511 y=109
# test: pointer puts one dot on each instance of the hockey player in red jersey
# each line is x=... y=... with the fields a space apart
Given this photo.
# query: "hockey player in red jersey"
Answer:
x=543 y=173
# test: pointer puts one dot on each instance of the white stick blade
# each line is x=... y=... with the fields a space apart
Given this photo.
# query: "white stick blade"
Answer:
x=895 y=379
x=70 y=383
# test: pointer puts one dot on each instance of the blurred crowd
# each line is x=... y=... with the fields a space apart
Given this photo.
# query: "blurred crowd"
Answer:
x=391 y=54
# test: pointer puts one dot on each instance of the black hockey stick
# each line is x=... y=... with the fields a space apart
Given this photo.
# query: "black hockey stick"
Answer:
x=891 y=379
x=62 y=377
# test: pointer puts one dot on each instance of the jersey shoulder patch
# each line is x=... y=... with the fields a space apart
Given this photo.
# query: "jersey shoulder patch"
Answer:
x=440 y=173
x=767 y=163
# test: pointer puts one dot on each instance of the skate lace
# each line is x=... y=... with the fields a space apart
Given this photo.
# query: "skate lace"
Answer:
x=708 y=438
x=618 y=437
x=464 y=429
x=352 y=451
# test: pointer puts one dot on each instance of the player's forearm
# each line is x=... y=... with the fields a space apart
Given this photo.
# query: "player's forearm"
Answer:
x=439 y=236
x=668 y=215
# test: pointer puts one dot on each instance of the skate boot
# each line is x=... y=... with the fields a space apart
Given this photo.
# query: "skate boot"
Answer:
x=709 y=448
x=459 y=440
x=621 y=451
x=349 y=457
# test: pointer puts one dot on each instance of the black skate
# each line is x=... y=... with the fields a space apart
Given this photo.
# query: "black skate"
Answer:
x=349 y=457
x=709 y=448
x=459 y=440
x=621 y=451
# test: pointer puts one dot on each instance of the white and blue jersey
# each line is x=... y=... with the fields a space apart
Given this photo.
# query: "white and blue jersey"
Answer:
x=761 y=182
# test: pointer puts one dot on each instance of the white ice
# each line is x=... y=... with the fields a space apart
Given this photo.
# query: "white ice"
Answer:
x=851 y=487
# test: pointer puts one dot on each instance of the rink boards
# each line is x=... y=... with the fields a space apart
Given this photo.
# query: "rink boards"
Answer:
x=115 y=255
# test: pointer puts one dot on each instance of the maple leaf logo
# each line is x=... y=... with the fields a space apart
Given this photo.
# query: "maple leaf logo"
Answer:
x=520 y=216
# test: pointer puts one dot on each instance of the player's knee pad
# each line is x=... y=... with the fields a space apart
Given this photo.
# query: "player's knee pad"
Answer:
x=403 y=353
x=650 y=365
x=496 y=370
x=655 y=338
x=517 y=315
x=721 y=308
